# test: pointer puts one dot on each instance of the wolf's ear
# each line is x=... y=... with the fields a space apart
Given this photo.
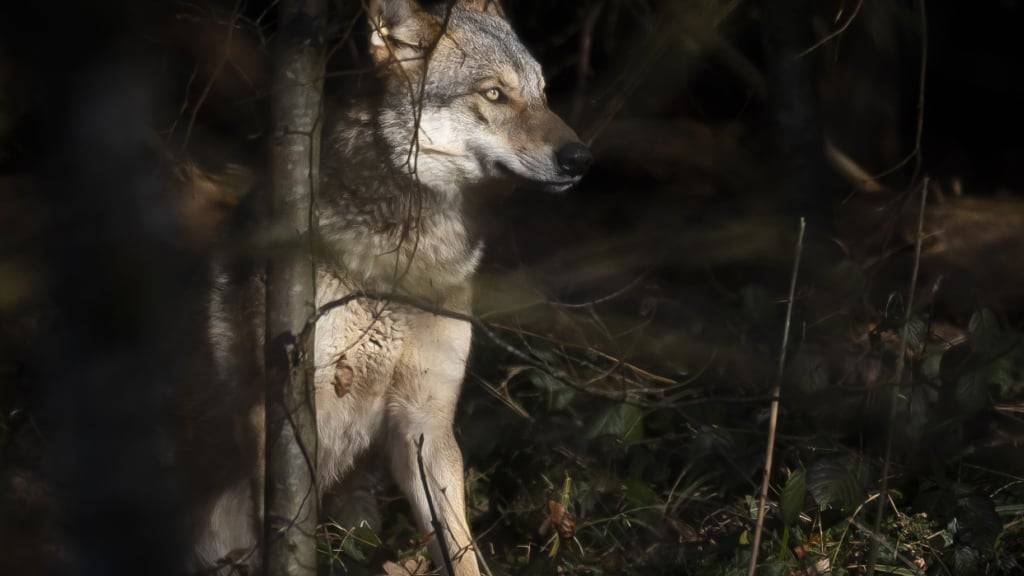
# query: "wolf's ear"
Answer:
x=485 y=6
x=400 y=30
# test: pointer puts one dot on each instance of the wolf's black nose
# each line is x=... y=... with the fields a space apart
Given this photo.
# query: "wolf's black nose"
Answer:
x=574 y=159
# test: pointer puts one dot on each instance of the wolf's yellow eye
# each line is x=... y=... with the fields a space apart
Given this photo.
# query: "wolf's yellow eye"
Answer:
x=494 y=95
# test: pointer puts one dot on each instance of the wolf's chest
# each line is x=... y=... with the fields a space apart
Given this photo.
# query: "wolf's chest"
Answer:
x=358 y=347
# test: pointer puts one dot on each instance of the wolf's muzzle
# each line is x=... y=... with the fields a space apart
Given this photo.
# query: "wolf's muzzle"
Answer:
x=574 y=159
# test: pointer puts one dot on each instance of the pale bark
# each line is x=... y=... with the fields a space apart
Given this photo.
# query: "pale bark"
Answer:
x=291 y=506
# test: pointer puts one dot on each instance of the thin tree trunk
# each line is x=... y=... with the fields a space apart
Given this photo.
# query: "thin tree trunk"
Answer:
x=291 y=506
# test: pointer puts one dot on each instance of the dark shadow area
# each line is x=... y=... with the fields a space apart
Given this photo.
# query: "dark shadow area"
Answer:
x=650 y=298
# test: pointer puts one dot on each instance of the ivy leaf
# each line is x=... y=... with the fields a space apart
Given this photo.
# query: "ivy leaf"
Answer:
x=791 y=501
x=623 y=421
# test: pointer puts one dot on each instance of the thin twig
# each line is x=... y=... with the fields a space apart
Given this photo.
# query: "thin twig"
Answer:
x=922 y=83
x=898 y=379
x=776 y=392
x=442 y=541
x=671 y=383
x=838 y=31
x=915 y=154
x=624 y=396
x=606 y=298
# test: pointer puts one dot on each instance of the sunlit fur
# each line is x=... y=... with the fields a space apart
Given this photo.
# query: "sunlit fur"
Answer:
x=391 y=220
x=464 y=138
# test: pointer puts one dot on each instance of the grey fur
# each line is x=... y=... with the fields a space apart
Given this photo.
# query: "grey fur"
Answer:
x=391 y=220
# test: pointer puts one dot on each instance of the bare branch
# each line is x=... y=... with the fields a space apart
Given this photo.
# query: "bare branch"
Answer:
x=838 y=32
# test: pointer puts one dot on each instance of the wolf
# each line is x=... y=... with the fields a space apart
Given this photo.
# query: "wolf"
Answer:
x=460 y=105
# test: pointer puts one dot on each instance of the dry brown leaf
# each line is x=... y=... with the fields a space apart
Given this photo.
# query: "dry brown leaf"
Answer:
x=561 y=519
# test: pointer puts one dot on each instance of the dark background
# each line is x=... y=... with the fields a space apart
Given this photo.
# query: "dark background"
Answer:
x=710 y=136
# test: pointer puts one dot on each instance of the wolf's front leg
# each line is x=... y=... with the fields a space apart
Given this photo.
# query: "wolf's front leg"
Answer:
x=443 y=466
x=422 y=404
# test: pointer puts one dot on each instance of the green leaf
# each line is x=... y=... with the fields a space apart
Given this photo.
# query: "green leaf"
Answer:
x=559 y=395
x=752 y=506
x=365 y=536
x=965 y=561
x=835 y=482
x=971 y=392
x=784 y=552
x=898 y=570
x=633 y=418
x=985 y=331
x=351 y=549
x=995 y=371
x=978 y=522
x=915 y=331
x=640 y=493
x=791 y=501
x=932 y=362
x=621 y=420
x=357 y=541
x=1006 y=374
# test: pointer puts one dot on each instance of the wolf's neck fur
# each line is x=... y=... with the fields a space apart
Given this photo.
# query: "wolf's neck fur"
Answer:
x=384 y=228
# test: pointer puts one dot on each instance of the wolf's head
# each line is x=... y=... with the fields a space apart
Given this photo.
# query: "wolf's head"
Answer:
x=459 y=72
